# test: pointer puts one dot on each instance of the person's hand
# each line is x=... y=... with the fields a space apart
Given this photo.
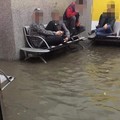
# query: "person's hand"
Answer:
x=78 y=24
x=59 y=33
x=105 y=26
x=66 y=39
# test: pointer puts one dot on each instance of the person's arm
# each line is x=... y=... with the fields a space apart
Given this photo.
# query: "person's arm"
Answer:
x=41 y=30
x=67 y=33
x=112 y=22
x=100 y=21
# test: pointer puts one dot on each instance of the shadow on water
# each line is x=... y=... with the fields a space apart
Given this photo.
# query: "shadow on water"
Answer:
x=83 y=85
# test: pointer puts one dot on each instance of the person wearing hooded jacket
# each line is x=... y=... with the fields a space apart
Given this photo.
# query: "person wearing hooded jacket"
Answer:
x=71 y=18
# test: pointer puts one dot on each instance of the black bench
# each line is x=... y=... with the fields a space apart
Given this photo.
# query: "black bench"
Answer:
x=111 y=38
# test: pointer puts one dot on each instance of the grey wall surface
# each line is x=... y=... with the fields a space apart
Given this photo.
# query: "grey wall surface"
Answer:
x=87 y=16
x=7 y=45
x=22 y=11
x=17 y=13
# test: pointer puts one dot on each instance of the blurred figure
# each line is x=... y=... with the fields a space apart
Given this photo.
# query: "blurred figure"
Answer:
x=71 y=17
x=57 y=25
x=38 y=29
x=106 y=22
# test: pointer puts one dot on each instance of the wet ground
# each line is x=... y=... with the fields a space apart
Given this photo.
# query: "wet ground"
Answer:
x=84 y=85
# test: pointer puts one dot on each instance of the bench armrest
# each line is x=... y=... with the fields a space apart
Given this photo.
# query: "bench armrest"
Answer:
x=39 y=37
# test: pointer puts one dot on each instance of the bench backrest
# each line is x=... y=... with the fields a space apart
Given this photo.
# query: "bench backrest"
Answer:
x=26 y=33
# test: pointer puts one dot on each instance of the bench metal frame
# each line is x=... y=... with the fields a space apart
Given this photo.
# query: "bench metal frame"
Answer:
x=39 y=51
x=109 y=38
x=3 y=85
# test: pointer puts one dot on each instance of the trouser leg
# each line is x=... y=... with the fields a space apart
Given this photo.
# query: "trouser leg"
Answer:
x=103 y=32
x=77 y=18
x=53 y=40
x=80 y=29
x=109 y=30
x=72 y=22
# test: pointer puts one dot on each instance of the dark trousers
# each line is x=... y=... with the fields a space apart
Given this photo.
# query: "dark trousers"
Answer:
x=71 y=22
x=71 y=25
x=53 y=40
x=103 y=32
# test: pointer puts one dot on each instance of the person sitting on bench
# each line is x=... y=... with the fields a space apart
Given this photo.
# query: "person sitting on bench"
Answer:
x=71 y=17
x=38 y=29
x=57 y=25
x=106 y=23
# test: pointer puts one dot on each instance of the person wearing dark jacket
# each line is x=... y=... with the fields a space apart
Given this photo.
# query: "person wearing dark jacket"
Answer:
x=38 y=29
x=57 y=25
x=106 y=22
x=71 y=18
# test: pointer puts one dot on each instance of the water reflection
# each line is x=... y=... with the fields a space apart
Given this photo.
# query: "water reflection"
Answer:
x=79 y=86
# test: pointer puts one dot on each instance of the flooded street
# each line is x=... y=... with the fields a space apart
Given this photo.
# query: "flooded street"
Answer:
x=83 y=85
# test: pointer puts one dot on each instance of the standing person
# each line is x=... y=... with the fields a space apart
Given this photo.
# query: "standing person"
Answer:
x=71 y=17
x=57 y=25
x=38 y=29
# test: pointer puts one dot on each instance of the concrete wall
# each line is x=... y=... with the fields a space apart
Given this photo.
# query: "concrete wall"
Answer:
x=87 y=16
x=22 y=11
x=7 y=45
x=18 y=14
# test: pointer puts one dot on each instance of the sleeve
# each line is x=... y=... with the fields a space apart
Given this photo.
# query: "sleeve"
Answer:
x=70 y=12
x=67 y=33
x=41 y=30
x=100 y=19
x=112 y=22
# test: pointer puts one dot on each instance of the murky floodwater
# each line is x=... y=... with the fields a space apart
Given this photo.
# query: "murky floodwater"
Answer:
x=84 y=85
